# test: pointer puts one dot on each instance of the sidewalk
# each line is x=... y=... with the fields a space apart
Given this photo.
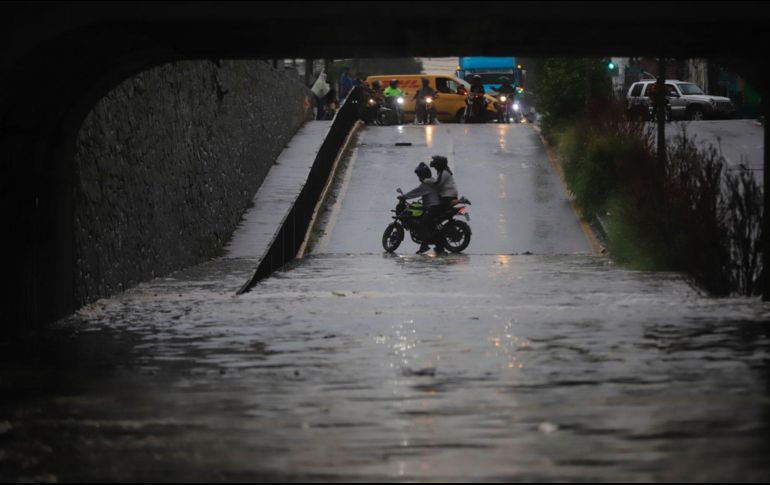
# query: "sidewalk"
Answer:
x=276 y=196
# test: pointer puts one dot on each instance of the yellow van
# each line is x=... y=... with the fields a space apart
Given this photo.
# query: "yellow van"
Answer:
x=450 y=102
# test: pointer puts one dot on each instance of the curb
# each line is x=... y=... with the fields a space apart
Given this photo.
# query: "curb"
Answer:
x=596 y=236
x=329 y=182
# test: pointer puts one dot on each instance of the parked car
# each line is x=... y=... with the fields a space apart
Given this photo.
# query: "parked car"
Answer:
x=687 y=101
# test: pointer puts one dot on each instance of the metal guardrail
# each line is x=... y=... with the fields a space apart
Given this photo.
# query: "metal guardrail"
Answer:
x=288 y=240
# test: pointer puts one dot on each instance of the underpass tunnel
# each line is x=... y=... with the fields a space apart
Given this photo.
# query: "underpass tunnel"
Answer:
x=60 y=61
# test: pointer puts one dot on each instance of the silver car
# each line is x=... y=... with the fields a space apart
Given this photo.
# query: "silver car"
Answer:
x=686 y=101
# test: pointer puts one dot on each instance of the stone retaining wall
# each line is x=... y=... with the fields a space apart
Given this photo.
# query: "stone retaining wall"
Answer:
x=167 y=163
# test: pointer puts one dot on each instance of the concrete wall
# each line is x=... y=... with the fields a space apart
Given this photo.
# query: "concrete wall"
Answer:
x=167 y=163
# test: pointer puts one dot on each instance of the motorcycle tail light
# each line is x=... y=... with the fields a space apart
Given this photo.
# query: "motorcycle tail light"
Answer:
x=461 y=210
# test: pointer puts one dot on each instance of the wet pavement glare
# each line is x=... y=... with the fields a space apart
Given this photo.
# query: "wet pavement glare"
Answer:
x=374 y=367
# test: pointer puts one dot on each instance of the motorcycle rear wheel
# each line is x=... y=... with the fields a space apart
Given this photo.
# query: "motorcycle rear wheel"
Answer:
x=456 y=235
x=392 y=237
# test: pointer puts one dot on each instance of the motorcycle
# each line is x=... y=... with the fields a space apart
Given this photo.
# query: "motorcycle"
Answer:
x=503 y=105
x=377 y=114
x=396 y=104
x=425 y=111
x=476 y=108
x=455 y=234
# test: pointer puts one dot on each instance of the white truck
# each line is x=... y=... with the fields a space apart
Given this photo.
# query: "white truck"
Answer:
x=686 y=102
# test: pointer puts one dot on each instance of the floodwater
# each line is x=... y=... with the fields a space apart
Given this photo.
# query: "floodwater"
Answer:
x=378 y=367
x=355 y=365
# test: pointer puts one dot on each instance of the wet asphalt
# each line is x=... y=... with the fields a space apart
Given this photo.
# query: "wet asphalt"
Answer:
x=518 y=204
x=355 y=365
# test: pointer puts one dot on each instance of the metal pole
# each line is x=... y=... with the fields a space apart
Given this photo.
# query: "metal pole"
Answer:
x=660 y=109
x=765 y=280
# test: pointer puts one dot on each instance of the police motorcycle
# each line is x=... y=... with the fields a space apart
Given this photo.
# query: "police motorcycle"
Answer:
x=455 y=234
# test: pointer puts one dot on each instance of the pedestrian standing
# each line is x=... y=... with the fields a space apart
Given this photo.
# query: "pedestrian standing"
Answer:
x=346 y=83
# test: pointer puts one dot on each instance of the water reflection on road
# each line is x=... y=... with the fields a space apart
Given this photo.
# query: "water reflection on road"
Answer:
x=373 y=367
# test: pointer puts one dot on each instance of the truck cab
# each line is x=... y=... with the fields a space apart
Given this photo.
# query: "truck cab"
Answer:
x=491 y=69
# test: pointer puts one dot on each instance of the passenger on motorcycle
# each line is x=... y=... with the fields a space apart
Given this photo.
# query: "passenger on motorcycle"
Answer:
x=444 y=182
x=431 y=208
x=423 y=112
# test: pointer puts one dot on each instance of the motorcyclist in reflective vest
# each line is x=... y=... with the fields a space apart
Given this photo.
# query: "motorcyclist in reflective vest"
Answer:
x=392 y=93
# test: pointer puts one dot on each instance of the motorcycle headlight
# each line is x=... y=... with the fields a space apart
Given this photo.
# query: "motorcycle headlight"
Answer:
x=400 y=100
x=428 y=100
x=372 y=102
x=503 y=99
x=516 y=106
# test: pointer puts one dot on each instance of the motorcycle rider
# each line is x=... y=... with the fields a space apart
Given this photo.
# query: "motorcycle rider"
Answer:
x=505 y=86
x=371 y=109
x=423 y=113
x=444 y=182
x=431 y=208
x=376 y=90
x=477 y=87
x=392 y=93
x=507 y=90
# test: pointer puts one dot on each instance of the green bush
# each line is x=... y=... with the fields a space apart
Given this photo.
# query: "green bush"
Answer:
x=689 y=214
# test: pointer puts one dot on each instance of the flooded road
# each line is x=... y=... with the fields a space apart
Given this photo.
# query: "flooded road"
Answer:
x=376 y=367
x=355 y=365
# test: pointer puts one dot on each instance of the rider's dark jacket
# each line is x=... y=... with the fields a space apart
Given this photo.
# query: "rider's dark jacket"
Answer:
x=477 y=88
x=424 y=91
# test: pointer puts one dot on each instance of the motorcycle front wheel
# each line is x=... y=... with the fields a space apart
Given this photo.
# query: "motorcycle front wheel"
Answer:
x=457 y=236
x=392 y=237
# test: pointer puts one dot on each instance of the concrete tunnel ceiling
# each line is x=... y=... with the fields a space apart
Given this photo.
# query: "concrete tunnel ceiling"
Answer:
x=79 y=51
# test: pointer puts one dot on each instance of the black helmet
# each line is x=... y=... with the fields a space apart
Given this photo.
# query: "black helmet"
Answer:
x=376 y=84
x=393 y=83
x=422 y=171
x=476 y=77
x=425 y=81
x=439 y=163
